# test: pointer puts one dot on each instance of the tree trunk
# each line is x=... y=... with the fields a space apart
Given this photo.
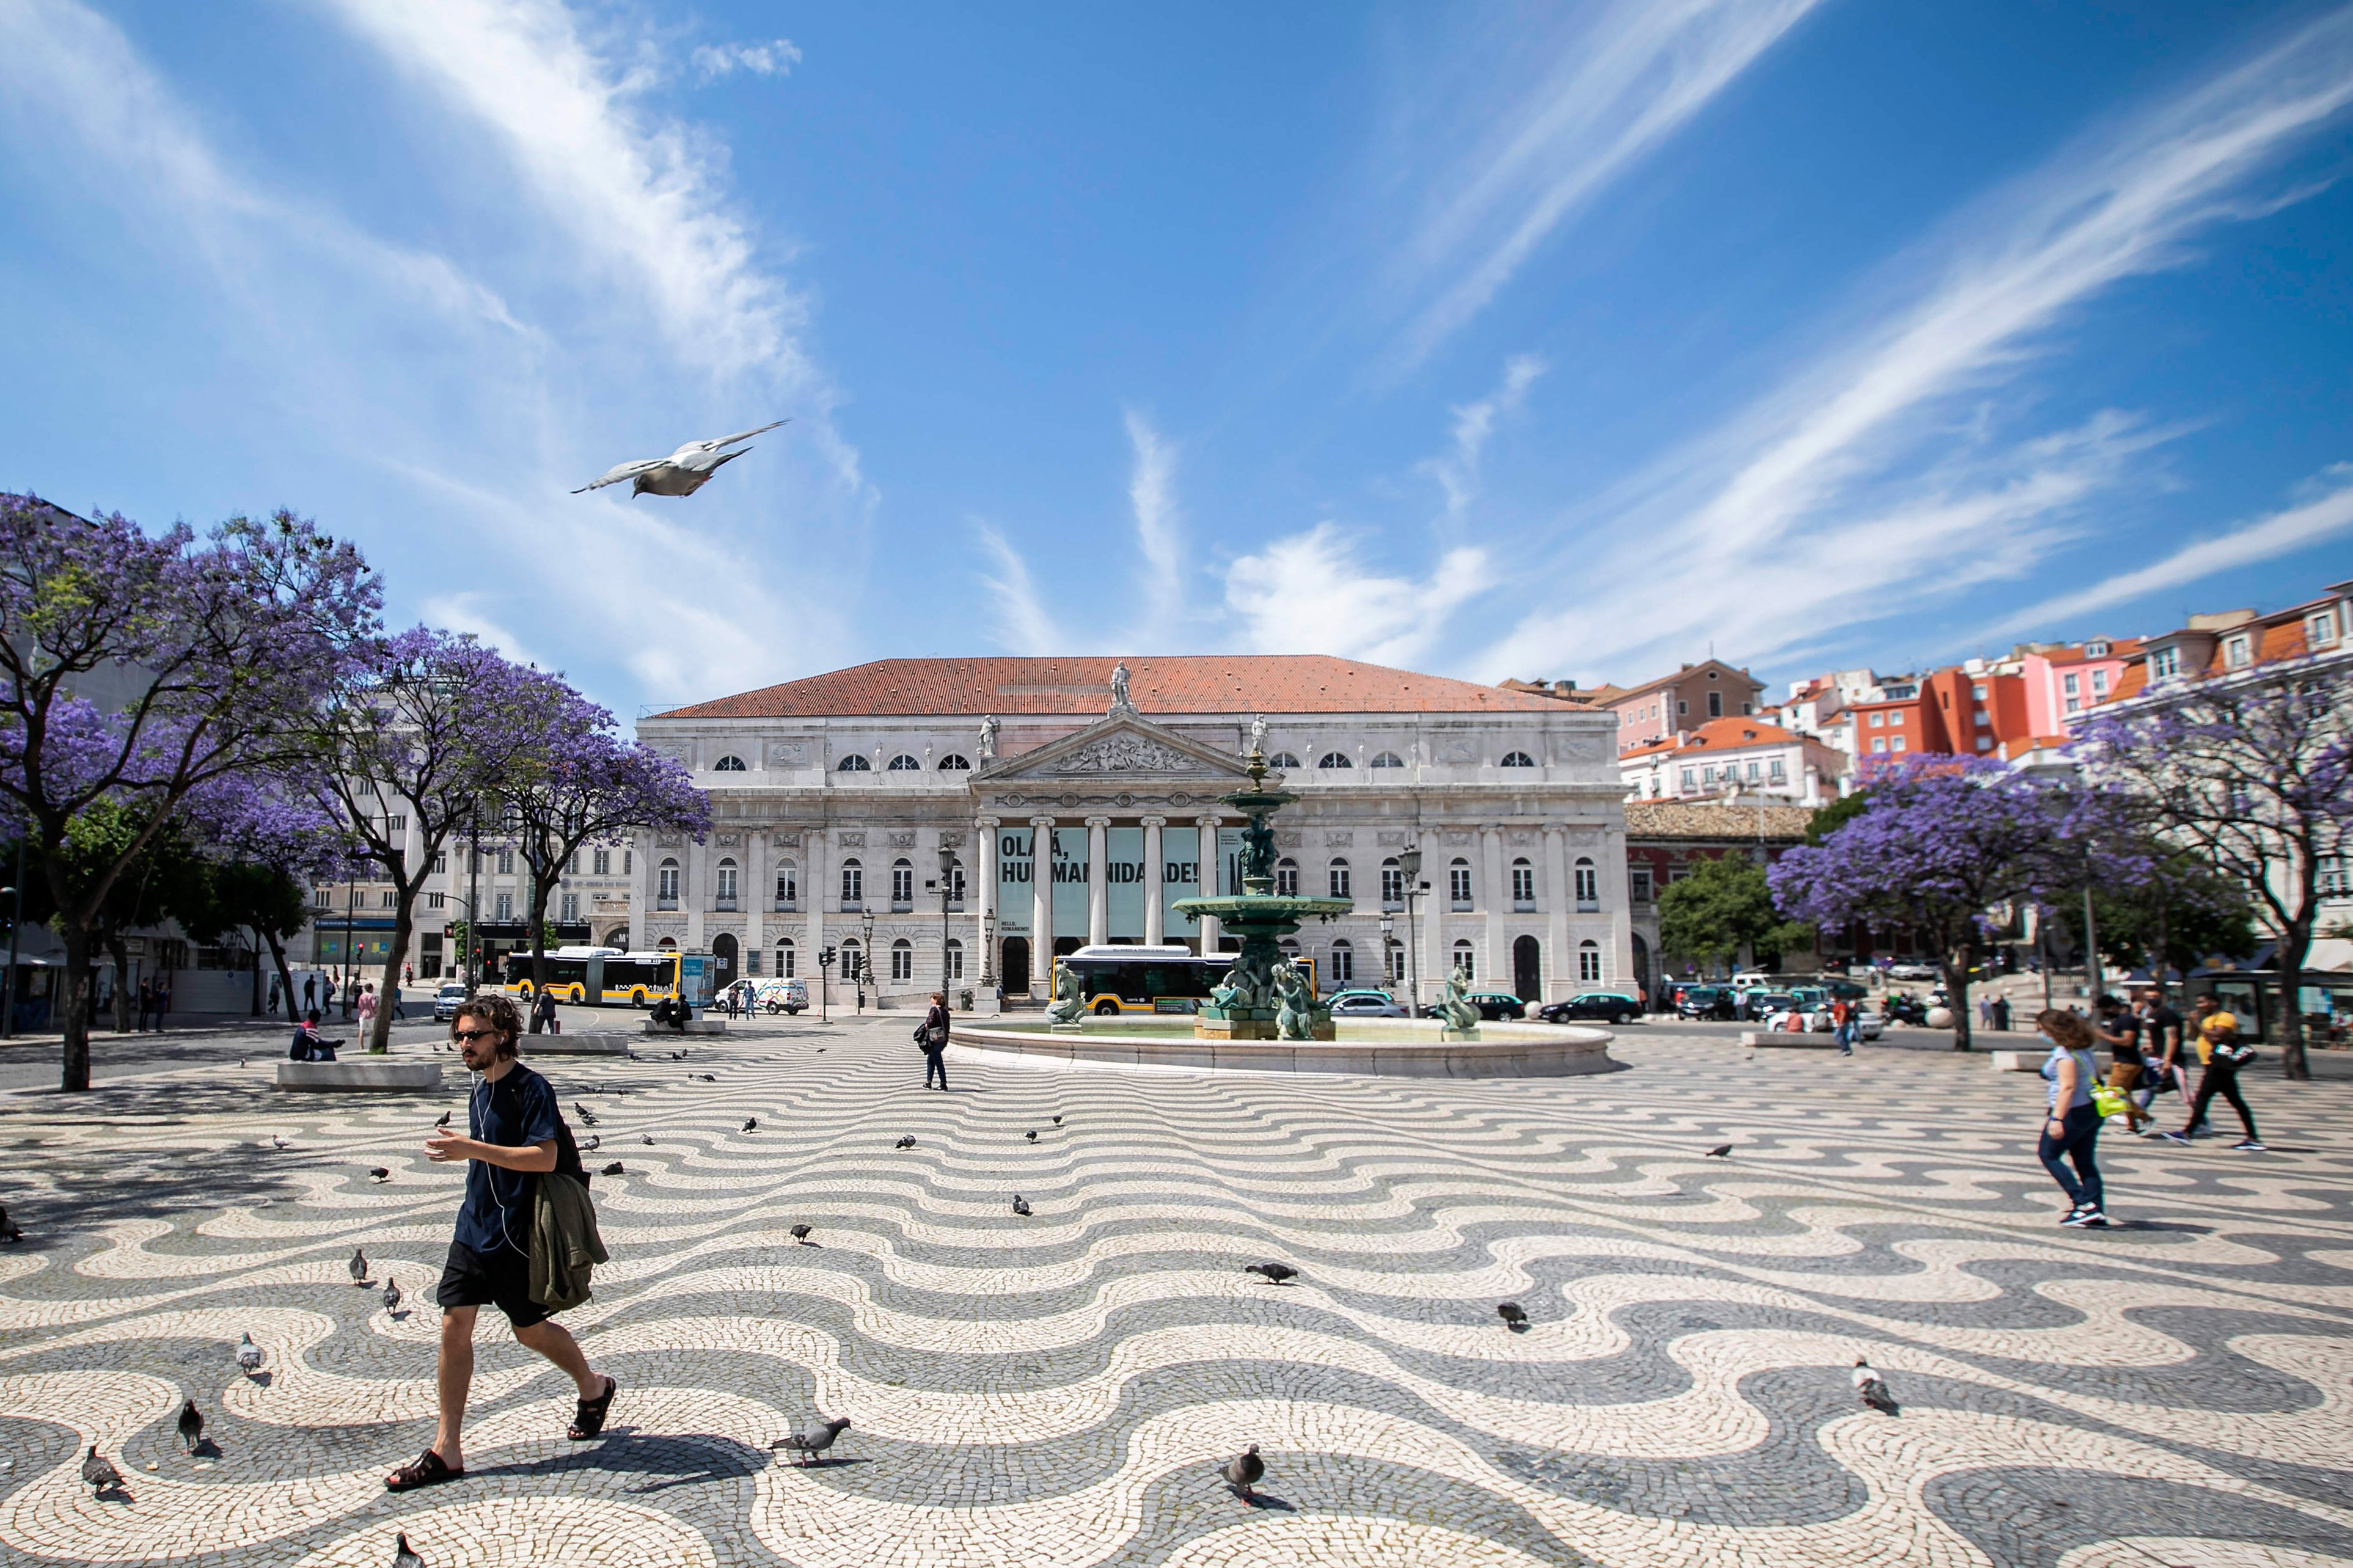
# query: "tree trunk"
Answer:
x=120 y=951
x=2294 y=942
x=257 y=981
x=403 y=922
x=285 y=975
x=1957 y=994
x=74 y=1074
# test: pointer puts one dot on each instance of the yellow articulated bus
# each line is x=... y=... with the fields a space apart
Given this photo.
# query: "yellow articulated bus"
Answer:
x=1145 y=979
x=597 y=976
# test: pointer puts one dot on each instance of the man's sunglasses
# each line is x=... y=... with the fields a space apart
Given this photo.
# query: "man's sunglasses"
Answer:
x=467 y=1036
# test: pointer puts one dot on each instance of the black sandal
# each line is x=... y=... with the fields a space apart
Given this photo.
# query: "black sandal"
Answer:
x=588 y=1415
x=428 y=1470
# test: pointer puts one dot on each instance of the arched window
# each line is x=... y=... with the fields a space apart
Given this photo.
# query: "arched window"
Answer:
x=853 y=886
x=1282 y=760
x=666 y=945
x=952 y=763
x=1457 y=883
x=726 y=888
x=1588 y=961
x=1466 y=964
x=1343 y=963
x=1524 y=885
x=1518 y=760
x=852 y=959
x=788 y=886
x=1339 y=880
x=903 y=960
x=786 y=954
x=1388 y=759
x=1395 y=968
x=955 y=885
x=1589 y=885
x=903 y=884
x=666 y=886
x=853 y=763
x=956 y=959
x=1392 y=884
x=1286 y=876
x=728 y=765
x=903 y=763
x=1334 y=760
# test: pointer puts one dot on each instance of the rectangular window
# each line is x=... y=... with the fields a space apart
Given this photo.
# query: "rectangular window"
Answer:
x=1985 y=720
x=853 y=886
x=504 y=906
x=1879 y=720
x=435 y=900
x=1589 y=963
x=1689 y=781
x=1878 y=743
x=785 y=961
x=626 y=855
x=787 y=888
x=1340 y=881
x=1979 y=692
x=902 y=961
x=1286 y=879
x=573 y=867
x=1985 y=742
x=1523 y=887
x=666 y=890
x=1777 y=770
x=323 y=899
x=2320 y=629
x=1344 y=965
x=506 y=862
x=903 y=887
x=1588 y=888
x=2075 y=703
x=440 y=862
x=2237 y=652
x=603 y=861
x=1458 y=885
x=568 y=906
x=1396 y=962
x=2164 y=664
x=1752 y=770
x=1637 y=883
x=751 y=960
x=391 y=899
x=2333 y=878
x=1899 y=742
x=1715 y=704
x=2070 y=684
x=727 y=886
x=1392 y=888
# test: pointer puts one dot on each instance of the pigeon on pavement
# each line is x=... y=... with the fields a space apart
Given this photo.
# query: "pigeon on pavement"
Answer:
x=1020 y=1205
x=650 y=1140
x=1721 y=1151
x=1276 y=1273
x=10 y=1231
x=1871 y=1388
x=403 y=1554
x=98 y=1474
x=192 y=1426
x=1243 y=1471
x=705 y=1077
x=1033 y=1135
x=801 y=1233
x=378 y=1173
x=248 y=1355
x=814 y=1441
x=614 y=1168
x=751 y=1124
x=681 y=473
x=1058 y=1122
x=359 y=1267
x=275 y=1139
x=906 y=1143
x=595 y=1142
x=392 y=1294
x=1514 y=1317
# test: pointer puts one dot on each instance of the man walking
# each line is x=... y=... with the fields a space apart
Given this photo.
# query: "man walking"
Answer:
x=310 y=994
x=2225 y=1055
x=2120 y=1030
x=514 y=1133
x=1842 y=1025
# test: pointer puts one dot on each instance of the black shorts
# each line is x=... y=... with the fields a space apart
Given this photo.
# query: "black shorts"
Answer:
x=502 y=1279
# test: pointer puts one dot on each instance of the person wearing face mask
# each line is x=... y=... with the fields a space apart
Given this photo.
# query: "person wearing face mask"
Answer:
x=2071 y=1125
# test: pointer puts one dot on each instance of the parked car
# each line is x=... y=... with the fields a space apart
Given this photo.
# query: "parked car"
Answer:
x=1366 y=1004
x=1498 y=1006
x=1914 y=972
x=1844 y=990
x=1868 y=1024
x=781 y=996
x=1702 y=1002
x=446 y=1000
x=1616 y=1006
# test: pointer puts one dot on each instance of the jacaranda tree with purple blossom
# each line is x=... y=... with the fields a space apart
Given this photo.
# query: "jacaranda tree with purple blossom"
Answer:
x=267 y=842
x=2253 y=773
x=1943 y=845
x=582 y=784
x=135 y=670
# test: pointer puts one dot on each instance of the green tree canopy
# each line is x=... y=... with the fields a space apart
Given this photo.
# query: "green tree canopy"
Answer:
x=1723 y=905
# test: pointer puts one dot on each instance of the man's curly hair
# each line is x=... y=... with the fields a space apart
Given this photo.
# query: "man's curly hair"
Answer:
x=499 y=1013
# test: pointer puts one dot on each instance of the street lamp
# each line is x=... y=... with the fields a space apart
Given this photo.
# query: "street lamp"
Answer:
x=947 y=890
x=1409 y=868
x=866 y=959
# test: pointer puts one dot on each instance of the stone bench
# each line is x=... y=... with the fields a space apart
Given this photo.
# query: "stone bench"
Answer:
x=693 y=1026
x=1785 y=1040
x=585 y=1043
x=2018 y=1061
x=381 y=1075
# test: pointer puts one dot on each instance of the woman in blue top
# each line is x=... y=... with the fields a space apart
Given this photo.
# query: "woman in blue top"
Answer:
x=2071 y=1126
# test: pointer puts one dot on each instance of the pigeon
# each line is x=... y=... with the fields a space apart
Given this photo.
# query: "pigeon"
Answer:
x=240 y=1061
x=751 y=1124
x=10 y=1231
x=581 y=1110
x=681 y=473
x=280 y=1142
x=192 y=1425
x=1020 y=1205
x=443 y=1121
x=359 y=1267
x=98 y=1474
x=650 y=1140
x=1871 y=1388
x=614 y=1170
x=392 y=1294
x=814 y=1441
x=249 y=1354
x=906 y=1143
x=378 y=1173
x=1515 y=1316
x=1033 y=1135
x=801 y=1233
x=587 y=1120
x=1058 y=1122
x=1243 y=1471
x=595 y=1142
x=707 y=1078
x=403 y=1554
x=1276 y=1273
x=1721 y=1151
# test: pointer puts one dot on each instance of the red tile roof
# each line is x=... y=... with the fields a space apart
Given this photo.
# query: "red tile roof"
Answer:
x=1193 y=683
x=1718 y=735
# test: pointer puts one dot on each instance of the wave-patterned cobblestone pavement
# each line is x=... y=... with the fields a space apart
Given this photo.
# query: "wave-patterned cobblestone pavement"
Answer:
x=1058 y=1390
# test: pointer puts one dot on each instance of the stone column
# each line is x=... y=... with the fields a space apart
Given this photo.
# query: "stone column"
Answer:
x=1438 y=957
x=1617 y=953
x=1155 y=887
x=817 y=876
x=1495 y=894
x=1212 y=871
x=1041 y=905
x=1097 y=880
x=985 y=829
x=694 y=876
x=757 y=895
x=1560 y=898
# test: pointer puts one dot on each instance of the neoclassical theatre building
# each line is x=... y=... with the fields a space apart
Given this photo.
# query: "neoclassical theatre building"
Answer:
x=1077 y=800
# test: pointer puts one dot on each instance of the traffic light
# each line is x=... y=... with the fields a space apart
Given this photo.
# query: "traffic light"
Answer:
x=825 y=958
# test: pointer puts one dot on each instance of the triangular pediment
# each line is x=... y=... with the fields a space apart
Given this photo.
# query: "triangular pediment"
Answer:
x=1120 y=747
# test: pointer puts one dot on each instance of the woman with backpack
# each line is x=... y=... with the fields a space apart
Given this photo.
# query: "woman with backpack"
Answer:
x=2071 y=1124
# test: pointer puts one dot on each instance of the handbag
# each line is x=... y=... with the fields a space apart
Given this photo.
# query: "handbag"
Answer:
x=2108 y=1100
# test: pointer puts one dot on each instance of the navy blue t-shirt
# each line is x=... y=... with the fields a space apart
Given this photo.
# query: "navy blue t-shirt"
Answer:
x=515 y=1112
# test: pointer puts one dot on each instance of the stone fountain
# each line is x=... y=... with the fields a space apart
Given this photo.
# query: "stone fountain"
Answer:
x=1265 y=996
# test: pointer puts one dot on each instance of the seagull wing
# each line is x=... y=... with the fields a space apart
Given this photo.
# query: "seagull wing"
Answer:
x=712 y=446
x=619 y=471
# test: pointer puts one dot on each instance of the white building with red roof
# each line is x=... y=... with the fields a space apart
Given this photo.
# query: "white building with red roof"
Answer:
x=1734 y=757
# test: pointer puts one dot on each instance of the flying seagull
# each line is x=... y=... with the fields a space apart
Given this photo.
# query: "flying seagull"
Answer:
x=681 y=473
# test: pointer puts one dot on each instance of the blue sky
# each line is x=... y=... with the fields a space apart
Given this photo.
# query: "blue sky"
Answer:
x=1560 y=341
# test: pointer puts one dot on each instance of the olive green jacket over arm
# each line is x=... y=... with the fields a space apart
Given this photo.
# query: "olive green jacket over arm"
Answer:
x=564 y=1246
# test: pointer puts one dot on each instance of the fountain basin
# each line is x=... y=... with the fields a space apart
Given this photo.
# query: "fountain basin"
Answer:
x=1373 y=1048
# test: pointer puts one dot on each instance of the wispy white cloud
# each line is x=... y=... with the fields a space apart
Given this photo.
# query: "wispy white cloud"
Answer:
x=1457 y=472
x=1159 y=527
x=2327 y=513
x=1312 y=593
x=1824 y=465
x=1023 y=626
x=1606 y=92
x=775 y=58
